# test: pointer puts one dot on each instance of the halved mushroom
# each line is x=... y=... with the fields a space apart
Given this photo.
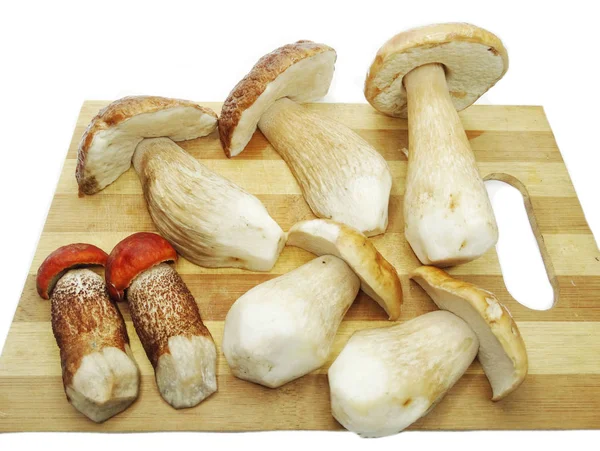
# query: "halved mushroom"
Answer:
x=378 y=277
x=108 y=144
x=100 y=376
x=502 y=352
x=283 y=329
x=166 y=318
x=427 y=74
x=341 y=176
x=386 y=379
x=209 y=220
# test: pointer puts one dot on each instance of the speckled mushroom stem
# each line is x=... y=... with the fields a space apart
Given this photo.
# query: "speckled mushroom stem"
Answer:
x=448 y=215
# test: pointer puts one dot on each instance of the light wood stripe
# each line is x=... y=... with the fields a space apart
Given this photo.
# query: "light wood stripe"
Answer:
x=274 y=177
x=304 y=404
x=549 y=346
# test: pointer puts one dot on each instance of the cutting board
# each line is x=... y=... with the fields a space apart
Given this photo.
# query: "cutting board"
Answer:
x=511 y=143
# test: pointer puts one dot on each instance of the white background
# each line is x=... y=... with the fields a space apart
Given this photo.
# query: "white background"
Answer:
x=55 y=54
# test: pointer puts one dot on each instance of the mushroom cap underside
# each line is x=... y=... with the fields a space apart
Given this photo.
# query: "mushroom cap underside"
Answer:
x=473 y=58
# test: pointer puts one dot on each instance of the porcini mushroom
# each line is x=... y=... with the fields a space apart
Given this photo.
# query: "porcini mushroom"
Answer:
x=108 y=144
x=100 y=376
x=385 y=379
x=378 y=277
x=283 y=329
x=166 y=318
x=428 y=74
x=502 y=352
x=341 y=176
x=209 y=220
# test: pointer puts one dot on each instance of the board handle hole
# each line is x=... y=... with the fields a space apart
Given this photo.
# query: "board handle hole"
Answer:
x=525 y=264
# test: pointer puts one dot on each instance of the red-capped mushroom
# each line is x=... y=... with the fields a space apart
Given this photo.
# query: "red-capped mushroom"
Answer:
x=100 y=376
x=166 y=318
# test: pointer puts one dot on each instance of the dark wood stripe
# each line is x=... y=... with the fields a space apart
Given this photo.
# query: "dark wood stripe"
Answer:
x=542 y=402
x=215 y=293
x=128 y=213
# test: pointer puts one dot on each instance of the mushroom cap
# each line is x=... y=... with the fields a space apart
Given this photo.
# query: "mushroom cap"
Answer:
x=132 y=256
x=64 y=258
x=378 y=277
x=108 y=144
x=502 y=352
x=474 y=60
x=301 y=71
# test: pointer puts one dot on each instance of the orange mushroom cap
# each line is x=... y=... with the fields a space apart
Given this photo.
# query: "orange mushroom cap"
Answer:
x=131 y=257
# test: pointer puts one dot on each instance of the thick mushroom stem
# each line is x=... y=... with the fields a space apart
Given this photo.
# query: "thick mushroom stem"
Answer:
x=341 y=176
x=448 y=215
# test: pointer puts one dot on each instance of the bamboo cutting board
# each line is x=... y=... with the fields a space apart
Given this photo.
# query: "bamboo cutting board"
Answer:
x=515 y=144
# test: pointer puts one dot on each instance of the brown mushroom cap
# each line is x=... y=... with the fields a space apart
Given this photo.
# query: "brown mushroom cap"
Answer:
x=474 y=60
x=301 y=71
x=64 y=258
x=108 y=144
x=132 y=256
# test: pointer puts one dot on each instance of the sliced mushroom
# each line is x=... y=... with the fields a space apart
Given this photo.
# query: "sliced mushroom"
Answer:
x=108 y=144
x=166 y=318
x=341 y=176
x=378 y=277
x=386 y=379
x=208 y=219
x=100 y=376
x=502 y=352
x=283 y=329
x=427 y=74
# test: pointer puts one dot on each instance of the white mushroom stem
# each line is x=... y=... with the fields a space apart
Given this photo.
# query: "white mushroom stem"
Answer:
x=341 y=176
x=449 y=218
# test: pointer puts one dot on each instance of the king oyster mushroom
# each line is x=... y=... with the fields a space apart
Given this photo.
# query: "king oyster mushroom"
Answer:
x=378 y=277
x=341 y=176
x=283 y=329
x=502 y=352
x=428 y=74
x=208 y=219
x=385 y=379
x=100 y=376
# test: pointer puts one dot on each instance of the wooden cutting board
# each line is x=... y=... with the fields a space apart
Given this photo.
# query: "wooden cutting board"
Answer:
x=515 y=144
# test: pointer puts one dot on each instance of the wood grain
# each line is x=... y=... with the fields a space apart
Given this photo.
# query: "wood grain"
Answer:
x=513 y=144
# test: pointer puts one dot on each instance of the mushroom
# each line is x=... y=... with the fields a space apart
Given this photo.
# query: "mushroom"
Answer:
x=209 y=220
x=385 y=379
x=100 y=376
x=341 y=176
x=109 y=142
x=427 y=74
x=502 y=352
x=378 y=277
x=283 y=329
x=166 y=318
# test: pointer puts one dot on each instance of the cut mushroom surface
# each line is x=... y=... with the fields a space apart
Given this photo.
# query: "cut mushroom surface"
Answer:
x=427 y=74
x=283 y=329
x=387 y=378
x=209 y=220
x=341 y=176
x=301 y=71
x=100 y=376
x=378 y=277
x=108 y=144
x=502 y=352
x=166 y=318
